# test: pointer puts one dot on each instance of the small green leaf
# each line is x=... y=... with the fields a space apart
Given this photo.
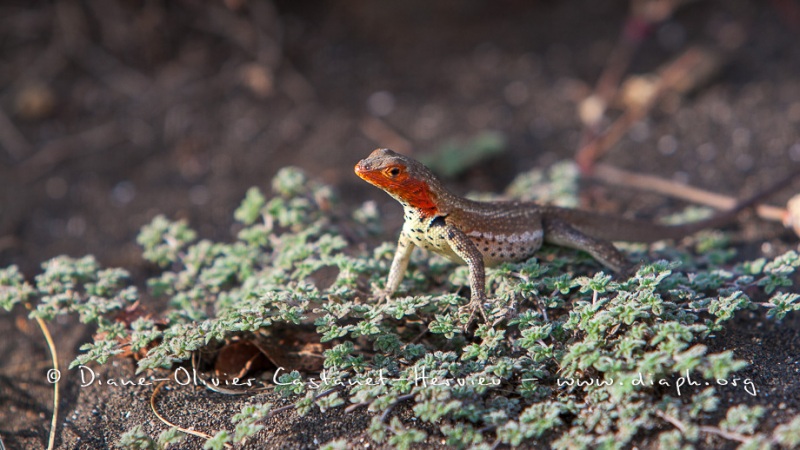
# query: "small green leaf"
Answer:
x=250 y=209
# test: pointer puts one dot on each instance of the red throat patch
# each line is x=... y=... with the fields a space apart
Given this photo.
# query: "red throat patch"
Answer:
x=418 y=195
x=415 y=192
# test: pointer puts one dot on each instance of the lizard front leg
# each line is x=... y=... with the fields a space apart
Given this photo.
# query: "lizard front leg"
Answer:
x=463 y=246
x=559 y=232
x=399 y=265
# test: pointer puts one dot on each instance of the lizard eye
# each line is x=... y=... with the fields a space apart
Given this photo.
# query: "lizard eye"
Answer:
x=392 y=171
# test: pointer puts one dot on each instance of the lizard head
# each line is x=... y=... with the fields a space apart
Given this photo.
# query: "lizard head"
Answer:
x=405 y=179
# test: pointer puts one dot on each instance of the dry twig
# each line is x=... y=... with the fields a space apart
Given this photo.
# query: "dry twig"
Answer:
x=729 y=435
x=54 y=379
x=616 y=176
x=51 y=441
x=199 y=434
x=693 y=67
x=644 y=15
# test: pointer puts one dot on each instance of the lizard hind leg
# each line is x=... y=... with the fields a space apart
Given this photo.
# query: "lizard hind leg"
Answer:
x=559 y=232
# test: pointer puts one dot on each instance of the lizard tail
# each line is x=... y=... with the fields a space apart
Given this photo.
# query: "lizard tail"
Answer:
x=610 y=228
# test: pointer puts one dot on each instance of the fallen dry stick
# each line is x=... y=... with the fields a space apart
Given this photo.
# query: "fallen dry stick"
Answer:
x=616 y=176
x=643 y=17
x=692 y=68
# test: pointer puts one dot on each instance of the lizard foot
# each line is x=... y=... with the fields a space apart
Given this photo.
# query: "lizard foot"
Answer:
x=383 y=296
x=474 y=306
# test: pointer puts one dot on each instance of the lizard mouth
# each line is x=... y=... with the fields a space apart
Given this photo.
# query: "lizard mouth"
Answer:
x=364 y=171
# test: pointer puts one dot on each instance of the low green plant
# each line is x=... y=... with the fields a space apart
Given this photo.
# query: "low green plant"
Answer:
x=575 y=358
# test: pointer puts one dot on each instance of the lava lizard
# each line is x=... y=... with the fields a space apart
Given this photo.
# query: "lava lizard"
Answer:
x=483 y=234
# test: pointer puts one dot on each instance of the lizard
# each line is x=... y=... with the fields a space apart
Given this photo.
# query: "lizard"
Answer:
x=485 y=234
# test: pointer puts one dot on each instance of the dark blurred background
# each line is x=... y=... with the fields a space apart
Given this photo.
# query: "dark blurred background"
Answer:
x=113 y=111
